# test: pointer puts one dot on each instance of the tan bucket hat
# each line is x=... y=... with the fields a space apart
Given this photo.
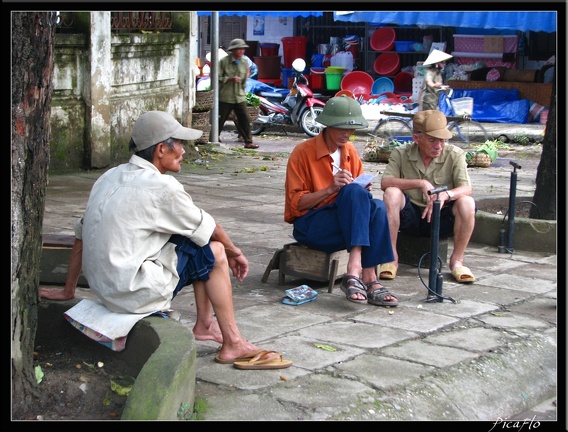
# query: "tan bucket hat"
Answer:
x=431 y=122
x=237 y=43
x=437 y=56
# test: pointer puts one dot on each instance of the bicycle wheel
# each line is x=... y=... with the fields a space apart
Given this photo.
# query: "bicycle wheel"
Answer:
x=391 y=129
x=467 y=133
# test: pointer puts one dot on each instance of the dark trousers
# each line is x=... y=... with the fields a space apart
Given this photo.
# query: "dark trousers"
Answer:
x=354 y=219
x=242 y=124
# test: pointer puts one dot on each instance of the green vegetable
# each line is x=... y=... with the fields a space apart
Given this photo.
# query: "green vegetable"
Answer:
x=253 y=100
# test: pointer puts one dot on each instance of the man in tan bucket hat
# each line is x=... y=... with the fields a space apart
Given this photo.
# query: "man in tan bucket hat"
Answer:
x=418 y=167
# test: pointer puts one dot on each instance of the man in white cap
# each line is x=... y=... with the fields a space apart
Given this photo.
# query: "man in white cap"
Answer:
x=233 y=74
x=418 y=167
x=332 y=212
x=143 y=239
x=433 y=80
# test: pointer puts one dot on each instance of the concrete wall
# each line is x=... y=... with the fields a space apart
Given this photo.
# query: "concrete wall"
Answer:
x=273 y=29
x=104 y=81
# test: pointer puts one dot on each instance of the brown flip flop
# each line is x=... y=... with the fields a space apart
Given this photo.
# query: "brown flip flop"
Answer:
x=264 y=360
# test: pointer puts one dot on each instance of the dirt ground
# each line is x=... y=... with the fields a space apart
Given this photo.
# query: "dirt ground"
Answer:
x=77 y=384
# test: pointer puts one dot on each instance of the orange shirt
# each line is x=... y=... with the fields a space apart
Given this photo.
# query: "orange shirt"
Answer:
x=309 y=170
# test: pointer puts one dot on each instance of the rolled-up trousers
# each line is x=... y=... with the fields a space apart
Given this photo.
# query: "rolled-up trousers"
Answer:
x=354 y=219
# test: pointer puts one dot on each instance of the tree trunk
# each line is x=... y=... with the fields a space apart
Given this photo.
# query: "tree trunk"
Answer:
x=33 y=35
x=545 y=192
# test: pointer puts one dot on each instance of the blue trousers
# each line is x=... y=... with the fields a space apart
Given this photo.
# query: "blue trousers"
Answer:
x=194 y=262
x=354 y=219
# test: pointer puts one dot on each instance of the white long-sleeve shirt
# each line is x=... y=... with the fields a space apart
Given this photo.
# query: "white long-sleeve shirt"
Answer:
x=131 y=214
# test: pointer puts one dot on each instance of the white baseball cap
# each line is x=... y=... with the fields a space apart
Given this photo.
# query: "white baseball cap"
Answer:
x=153 y=127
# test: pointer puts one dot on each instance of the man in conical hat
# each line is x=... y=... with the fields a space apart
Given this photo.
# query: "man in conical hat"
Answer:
x=433 y=81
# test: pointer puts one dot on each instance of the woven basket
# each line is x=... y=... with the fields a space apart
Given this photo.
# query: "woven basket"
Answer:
x=203 y=101
x=199 y=119
x=482 y=160
x=202 y=122
x=375 y=151
x=252 y=112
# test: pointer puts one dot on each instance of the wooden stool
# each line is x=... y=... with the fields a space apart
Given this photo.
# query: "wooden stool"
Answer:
x=295 y=259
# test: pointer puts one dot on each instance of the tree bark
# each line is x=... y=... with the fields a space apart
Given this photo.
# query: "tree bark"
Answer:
x=33 y=35
x=546 y=180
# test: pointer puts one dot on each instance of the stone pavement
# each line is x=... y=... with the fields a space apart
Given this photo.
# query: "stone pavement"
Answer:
x=486 y=353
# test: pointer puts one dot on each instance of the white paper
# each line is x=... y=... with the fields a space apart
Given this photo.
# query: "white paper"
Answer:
x=365 y=178
x=93 y=314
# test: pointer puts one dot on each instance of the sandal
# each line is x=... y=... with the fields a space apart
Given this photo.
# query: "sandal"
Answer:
x=378 y=295
x=350 y=285
x=251 y=146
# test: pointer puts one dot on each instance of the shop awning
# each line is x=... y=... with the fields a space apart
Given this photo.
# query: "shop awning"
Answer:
x=507 y=20
x=265 y=13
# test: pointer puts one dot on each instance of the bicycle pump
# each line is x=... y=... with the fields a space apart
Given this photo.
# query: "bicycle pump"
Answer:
x=510 y=214
x=435 y=278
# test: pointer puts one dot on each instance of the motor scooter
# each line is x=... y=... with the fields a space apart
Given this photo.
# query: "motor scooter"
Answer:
x=298 y=108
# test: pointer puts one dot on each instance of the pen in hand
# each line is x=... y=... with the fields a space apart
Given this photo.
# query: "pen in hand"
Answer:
x=339 y=169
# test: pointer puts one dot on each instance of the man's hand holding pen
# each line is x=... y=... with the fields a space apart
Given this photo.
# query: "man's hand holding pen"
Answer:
x=341 y=178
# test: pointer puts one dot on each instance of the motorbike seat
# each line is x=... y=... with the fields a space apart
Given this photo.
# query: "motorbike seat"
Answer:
x=271 y=95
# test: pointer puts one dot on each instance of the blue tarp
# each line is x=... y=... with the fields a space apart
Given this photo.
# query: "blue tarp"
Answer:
x=507 y=20
x=255 y=86
x=492 y=105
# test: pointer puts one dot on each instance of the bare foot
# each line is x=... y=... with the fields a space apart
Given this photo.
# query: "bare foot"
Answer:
x=455 y=264
x=242 y=349
x=55 y=294
x=211 y=333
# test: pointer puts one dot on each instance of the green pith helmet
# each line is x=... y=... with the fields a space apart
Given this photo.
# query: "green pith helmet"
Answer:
x=342 y=112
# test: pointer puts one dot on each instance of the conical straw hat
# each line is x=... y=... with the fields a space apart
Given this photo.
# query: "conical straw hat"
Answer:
x=436 y=56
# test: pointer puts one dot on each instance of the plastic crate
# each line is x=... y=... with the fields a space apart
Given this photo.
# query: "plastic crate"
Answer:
x=404 y=46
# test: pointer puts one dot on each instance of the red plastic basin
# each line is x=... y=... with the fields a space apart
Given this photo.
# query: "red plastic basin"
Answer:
x=387 y=63
x=383 y=39
x=357 y=82
x=403 y=82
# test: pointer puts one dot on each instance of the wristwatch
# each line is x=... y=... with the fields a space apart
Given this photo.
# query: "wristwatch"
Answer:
x=450 y=194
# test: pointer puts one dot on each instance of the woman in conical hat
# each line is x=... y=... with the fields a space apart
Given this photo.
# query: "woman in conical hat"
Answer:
x=433 y=81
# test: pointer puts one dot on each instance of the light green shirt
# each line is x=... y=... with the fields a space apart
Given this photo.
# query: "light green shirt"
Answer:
x=449 y=169
x=231 y=92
